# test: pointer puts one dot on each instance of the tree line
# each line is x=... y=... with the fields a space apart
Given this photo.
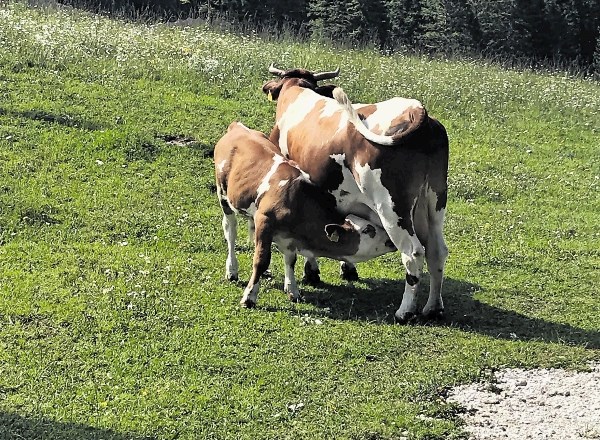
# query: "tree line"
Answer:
x=538 y=30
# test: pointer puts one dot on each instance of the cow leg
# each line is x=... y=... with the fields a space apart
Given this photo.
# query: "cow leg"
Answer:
x=348 y=271
x=413 y=255
x=311 y=272
x=289 y=285
x=436 y=253
x=400 y=227
x=263 y=237
x=251 y=229
x=229 y=224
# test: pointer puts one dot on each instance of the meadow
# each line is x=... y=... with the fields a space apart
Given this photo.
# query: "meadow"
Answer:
x=115 y=319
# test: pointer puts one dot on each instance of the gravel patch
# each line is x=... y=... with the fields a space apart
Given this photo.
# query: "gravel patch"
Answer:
x=532 y=404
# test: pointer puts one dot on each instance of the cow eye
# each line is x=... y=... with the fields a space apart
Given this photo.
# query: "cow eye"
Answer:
x=369 y=230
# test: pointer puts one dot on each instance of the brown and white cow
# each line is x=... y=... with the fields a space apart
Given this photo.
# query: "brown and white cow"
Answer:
x=286 y=208
x=387 y=163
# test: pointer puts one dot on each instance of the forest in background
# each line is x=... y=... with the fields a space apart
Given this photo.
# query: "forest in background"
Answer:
x=555 y=31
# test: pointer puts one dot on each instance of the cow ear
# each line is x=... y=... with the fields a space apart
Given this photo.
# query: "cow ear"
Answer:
x=326 y=91
x=334 y=232
x=272 y=89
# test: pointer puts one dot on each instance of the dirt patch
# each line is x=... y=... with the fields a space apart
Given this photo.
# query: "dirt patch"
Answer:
x=532 y=404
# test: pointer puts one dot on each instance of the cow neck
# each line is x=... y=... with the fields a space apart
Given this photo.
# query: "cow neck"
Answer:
x=315 y=209
x=290 y=91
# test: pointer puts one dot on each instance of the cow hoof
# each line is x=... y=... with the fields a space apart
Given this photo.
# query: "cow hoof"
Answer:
x=248 y=304
x=296 y=299
x=348 y=273
x=434 y=315
x=311 y=277
x=404 y=318
x=231 y=277
x=267 y=275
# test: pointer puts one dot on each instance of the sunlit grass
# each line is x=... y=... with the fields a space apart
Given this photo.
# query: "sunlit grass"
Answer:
x=114 y=318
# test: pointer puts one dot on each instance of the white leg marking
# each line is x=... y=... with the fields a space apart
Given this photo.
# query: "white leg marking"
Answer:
x=409 y=245
x=251 y=229
x=408 y=307
x=413 y=259
x=250 y=295
x=289 y=285
x=436 y=254
x=229 y=224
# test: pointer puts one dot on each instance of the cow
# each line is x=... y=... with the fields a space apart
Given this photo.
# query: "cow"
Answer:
x=284 y=207
x=386 y=162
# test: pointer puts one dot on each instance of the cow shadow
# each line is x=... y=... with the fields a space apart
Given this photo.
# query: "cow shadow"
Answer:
x=375 y=301
x=18 y=427
x=53 y=118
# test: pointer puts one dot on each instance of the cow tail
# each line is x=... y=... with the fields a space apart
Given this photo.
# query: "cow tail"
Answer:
x=340 y=96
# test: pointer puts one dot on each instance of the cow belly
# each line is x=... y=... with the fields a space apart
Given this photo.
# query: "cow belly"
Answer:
x=287 y=241
x=361 y=208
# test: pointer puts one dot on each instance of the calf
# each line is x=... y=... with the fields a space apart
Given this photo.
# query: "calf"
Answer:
x=285 y=207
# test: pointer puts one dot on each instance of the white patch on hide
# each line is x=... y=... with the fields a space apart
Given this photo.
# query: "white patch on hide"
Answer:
x=369 y=182
x=387 y=111
x=295 y=114
x=331 y=109
x=348 y=195
x=264 y=184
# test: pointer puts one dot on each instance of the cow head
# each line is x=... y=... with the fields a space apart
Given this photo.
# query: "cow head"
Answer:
x=366 y=239
x=299 y=77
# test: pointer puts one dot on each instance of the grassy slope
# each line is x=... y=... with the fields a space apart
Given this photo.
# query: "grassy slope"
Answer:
x=114 y=319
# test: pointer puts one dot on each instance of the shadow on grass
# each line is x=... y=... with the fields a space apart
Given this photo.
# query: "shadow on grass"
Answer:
x=64 y=119
x=377 y=300
x=14 y=426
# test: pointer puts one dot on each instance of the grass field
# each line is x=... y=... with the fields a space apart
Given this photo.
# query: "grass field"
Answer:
x=115 y=321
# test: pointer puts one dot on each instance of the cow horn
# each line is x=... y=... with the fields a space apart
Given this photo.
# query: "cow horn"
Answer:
x=327 y=75
x=275 y=71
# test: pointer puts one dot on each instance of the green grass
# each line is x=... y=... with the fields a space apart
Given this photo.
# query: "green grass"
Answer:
x=115 y=321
